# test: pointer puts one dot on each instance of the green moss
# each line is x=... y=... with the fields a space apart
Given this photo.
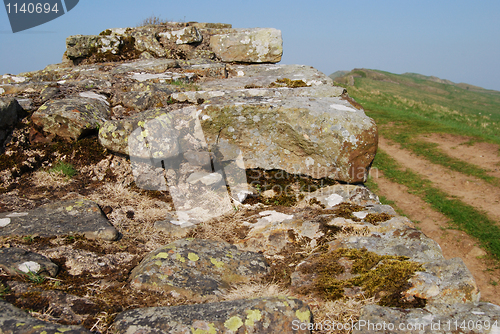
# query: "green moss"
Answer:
x=106 y=32
x=375 y=219
x=382 y=276
x=345 y=210
x=285 y=82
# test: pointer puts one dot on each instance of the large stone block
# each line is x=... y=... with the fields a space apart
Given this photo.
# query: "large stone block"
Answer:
x=260 y=45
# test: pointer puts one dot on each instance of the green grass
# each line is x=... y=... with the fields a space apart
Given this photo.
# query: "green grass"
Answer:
x=65 y=168
x=413 y=99
x=462 y=216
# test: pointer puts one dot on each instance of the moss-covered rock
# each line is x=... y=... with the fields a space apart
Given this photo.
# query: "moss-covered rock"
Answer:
x=260 y=315
x=197 y=267
x=71 y=118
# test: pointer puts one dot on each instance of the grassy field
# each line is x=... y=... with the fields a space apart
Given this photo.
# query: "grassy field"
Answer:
x=410 y=106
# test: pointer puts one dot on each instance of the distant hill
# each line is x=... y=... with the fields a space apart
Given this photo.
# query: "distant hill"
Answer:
x=457 y=105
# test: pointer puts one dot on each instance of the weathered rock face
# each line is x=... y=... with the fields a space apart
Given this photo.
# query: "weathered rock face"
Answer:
x=19 y=261
x=71 y=118
x=441 y=318
x=178 y=41
x=260 y=315
x=15 y=320
x=249 y=46
x=191 y=267
x=73 y=217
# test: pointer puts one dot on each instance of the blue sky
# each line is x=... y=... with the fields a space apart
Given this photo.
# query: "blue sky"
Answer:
x=455 y=40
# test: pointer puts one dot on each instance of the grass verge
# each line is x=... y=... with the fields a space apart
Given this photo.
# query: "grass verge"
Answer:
x=463 y=216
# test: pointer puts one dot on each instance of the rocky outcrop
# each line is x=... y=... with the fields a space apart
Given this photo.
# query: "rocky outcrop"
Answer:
x=178 y=41
x=236 y=162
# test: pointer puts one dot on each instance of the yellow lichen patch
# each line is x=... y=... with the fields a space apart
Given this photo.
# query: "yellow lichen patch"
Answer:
x=203 y=328
x=20 y=324
x=216 y=263
x=303 y=316
x=161 y=255
x=69 y=208
x=252 y=316
x=180 y=258
x=193 y=257
x=158 y=263
x=233 y=323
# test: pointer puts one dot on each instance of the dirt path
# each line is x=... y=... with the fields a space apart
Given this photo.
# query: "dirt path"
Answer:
x=470 y=190
x=484 y=155
x=453 y=243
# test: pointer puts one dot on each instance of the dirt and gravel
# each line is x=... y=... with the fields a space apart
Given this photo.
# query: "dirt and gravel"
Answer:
x=470 y=190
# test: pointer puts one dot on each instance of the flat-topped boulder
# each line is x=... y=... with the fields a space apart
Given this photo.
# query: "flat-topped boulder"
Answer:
x=78 y=216
x=197 y=267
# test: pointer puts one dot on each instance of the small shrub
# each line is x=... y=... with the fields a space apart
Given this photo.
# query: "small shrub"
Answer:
x=152 y=20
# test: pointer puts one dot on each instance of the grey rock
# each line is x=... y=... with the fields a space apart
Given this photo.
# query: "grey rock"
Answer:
x=266 y=75
x=456 y=318
x=16 y=321
x=331 y=196
x=17 y=261
x=49 y=93
x=9 y=112
x=194 y=266
x=79 y=261
x=59 y=218
x=147 y=41
x=184 y=36
x=70 y=118
x=260 y=315
x=249 y=46
x=81 y=46
x=175 y=228
x=65 y=308
x=323 y=137
x=146 y=65
x=403 y=242
x=444 y=281
x=271 y=231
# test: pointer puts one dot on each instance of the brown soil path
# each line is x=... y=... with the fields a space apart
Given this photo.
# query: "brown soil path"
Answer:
x=484 y=155
x=470 y=190
x=453 y=243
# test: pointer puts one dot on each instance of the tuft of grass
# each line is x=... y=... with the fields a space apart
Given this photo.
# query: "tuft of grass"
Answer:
x=152 y=20
x=64 y=168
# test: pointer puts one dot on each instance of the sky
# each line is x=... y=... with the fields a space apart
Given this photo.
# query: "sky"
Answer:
x=451 y=39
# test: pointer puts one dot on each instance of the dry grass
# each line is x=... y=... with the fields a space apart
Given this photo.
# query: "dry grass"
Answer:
x=54 y=180
x=133 y=213
x=255 y=290
x=344 y=311
x=228 y=227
